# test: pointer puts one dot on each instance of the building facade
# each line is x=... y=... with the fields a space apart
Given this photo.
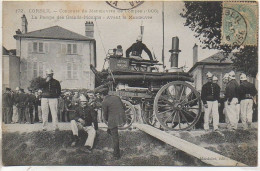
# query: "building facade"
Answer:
x=10 y=70
x=217 y=64
x=67 y=53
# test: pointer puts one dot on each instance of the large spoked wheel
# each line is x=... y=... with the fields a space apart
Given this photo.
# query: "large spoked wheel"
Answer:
x=177 y=106
x=130 y=115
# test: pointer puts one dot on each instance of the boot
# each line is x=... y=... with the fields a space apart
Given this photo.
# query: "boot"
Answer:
x=75 y=140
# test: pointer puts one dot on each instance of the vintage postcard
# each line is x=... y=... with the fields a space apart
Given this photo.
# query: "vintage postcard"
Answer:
x=130 y=83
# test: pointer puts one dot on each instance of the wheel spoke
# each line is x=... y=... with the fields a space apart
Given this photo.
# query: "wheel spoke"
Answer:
x=191 y=101
x=167 y=118
x=173 y=116
x=179 y=120
x=185 y=118
x=127 y=110
x=183 y=88
x=166 y=100
x=165 y=111
x=191 y=108
x=186 y=97
x=188 y=114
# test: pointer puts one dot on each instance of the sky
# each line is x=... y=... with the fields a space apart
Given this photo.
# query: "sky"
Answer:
x=111 y=29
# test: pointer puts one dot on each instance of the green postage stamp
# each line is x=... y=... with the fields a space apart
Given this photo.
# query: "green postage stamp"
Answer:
x=239 y=23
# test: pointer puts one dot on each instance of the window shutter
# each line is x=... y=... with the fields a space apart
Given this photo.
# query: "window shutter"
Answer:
x=79 y=48
x=30 y=47
x=46 y=46
x=63 y=48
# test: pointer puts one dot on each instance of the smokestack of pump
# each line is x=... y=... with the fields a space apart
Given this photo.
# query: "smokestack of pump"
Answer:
x=175 y=52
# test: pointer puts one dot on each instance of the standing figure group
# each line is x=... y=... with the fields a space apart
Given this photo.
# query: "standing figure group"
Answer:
x=238 y=101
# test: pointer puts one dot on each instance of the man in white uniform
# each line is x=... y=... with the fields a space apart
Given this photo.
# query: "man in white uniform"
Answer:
x=246 y=93
x=210 y=96
x=231 y=95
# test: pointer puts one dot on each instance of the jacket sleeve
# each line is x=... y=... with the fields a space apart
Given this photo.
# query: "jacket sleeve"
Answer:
x=203 y=94
x=58 y=88
x=218 y=93
x=94 y=119
x=128 y=51
x=105 y=110
x=148 y=52
x=77 y=116
x=253 y=90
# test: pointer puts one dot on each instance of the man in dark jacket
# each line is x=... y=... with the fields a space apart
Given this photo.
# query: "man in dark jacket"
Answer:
x=51 y=91
x=137 y=48
x=232 y=107
x=210 y=96
x=7 y=106
x=30 y=101
x=83 y=120
x=114 y=115
x=21 y=105
x=246 y=93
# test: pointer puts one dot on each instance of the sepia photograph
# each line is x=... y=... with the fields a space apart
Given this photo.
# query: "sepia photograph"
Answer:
x=130 y=83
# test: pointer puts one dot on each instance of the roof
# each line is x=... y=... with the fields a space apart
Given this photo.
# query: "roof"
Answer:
x=54 y=32
x=216 y=59
x=5 y=51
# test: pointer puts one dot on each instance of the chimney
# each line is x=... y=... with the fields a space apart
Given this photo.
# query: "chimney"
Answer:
x=89 y=29
x=24 y=24
x=175 y=52
x=195 y=54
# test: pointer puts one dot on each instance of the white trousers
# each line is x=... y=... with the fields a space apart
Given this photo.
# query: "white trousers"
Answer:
x=246 y=106
x=40 y=113
x=51 y=103
x=211 y=110
x=233 y=113
x=76 y=126
x=15 y=114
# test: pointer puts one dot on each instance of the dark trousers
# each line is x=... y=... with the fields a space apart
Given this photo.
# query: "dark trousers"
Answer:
x=21 y=114
x=7 y=115
x=61 y=116
x=29 y=114
x=115 y=139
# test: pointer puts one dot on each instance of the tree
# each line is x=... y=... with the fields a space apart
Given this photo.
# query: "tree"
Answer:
x=204 y=18
x=36 y=83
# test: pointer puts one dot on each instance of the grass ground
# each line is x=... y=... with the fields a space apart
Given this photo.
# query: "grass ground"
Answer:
x=138 y=148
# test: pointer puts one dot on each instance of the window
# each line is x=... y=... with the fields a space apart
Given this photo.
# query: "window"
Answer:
x=38 y=47
x=35 y=47
x=37 y=69
x=72 y=49
x=69 y=70
x=40 y=69
x=72 y=71
x=75 y=71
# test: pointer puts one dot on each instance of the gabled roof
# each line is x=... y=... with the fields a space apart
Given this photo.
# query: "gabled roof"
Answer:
x=5 y=51
x=55 y=32
x=216 y=59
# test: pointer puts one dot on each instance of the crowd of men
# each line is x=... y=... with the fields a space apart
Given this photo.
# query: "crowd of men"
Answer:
x=238 y=101
x=82 y=110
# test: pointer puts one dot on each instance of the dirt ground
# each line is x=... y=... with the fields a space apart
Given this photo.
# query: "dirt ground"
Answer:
x=137 y=148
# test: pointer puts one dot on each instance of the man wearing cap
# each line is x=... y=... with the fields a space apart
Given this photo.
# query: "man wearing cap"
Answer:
x=246 y=93
x=210 y=96
x=51 y=91
x=21 y=105
x=231 y=96
x=15 y=109
x=30 y=101
x=225 y=81
x=84 y=120
x=114 y=114
x=7 y=106
x=137 y=48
